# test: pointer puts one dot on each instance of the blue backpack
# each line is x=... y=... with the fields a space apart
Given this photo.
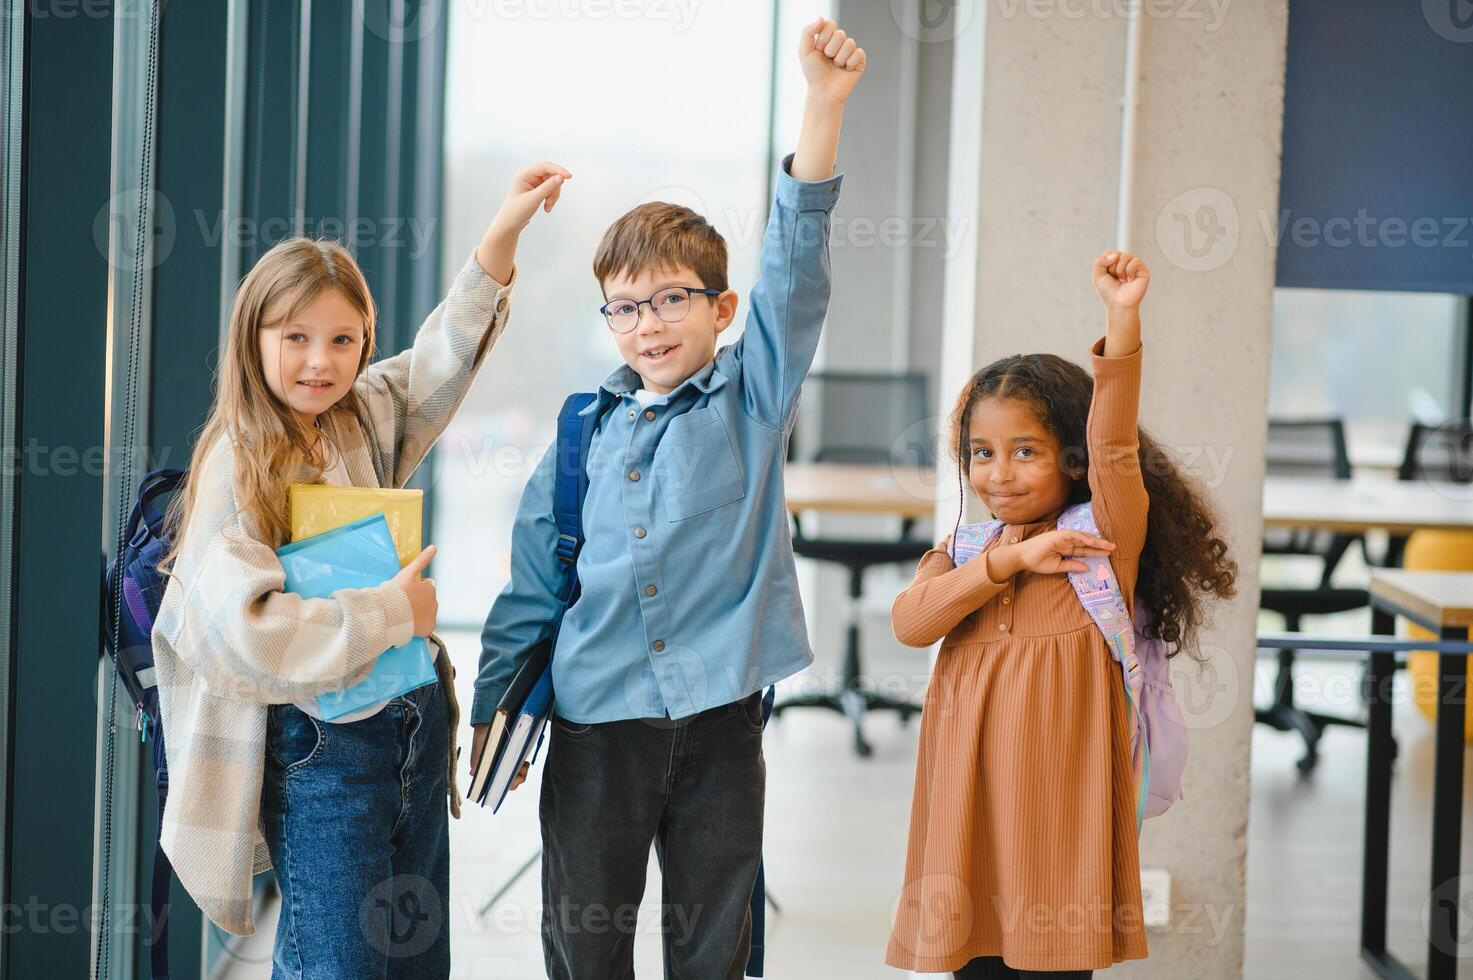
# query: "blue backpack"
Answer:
x=133 y=589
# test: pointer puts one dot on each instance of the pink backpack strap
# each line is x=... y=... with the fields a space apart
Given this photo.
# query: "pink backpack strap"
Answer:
x=970 y=540
x=1100 y=595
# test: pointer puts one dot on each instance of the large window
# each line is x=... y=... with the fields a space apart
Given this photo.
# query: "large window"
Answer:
x=640 y=108
x=1380 y=360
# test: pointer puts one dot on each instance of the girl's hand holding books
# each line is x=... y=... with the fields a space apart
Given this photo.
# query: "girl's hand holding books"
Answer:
x=421 y=592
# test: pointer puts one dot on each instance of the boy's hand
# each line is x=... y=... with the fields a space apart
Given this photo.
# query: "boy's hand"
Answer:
x=479 y=734
x=478 y=745
x=832 y=61
x=1121 y=280
x=539 y=185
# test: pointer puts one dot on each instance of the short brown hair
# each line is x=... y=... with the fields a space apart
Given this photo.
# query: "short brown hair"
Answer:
x=659 y=235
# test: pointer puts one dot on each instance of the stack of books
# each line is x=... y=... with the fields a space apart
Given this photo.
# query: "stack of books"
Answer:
x=516 y=729
x=359 y=555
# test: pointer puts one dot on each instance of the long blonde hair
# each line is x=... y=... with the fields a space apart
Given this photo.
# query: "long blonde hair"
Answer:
x=272 y=445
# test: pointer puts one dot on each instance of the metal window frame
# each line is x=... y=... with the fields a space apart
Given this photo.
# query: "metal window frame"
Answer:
x=132 y=106
x=12 y=63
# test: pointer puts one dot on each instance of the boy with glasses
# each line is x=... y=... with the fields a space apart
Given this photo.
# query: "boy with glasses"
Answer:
x=689 y=606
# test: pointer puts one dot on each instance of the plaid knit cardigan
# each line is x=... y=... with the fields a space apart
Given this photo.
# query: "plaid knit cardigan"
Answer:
x=228 y=641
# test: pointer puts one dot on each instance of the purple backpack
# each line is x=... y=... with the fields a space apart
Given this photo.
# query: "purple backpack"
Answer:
x=1161 y=755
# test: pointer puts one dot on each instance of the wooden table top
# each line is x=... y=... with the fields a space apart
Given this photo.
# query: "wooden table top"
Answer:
x=902 y=491
x=1366 y=503
x=1433 y=598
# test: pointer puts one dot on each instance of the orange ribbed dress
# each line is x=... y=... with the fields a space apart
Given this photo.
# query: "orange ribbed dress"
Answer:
x=1023 y=823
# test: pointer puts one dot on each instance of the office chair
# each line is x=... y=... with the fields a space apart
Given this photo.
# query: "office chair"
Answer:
x=864 y=418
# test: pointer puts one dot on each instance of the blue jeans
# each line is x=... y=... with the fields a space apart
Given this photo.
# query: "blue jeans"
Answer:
x=356 y=820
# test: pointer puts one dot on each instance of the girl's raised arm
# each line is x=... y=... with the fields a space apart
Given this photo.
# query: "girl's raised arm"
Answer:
x=1116 y=484
x=412 y=396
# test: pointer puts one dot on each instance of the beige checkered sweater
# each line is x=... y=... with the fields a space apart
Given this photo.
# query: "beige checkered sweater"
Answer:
x=228 y=641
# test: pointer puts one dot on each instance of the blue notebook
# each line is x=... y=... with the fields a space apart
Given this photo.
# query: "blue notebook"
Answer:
x=523 y=738
x=360 y=555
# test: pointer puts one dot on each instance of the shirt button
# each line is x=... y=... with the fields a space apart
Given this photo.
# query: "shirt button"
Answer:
x=631 y=413
x=1007 y=600
x=650 y=590
x=1013 y=539
x=634 y=475
x=1002 y=627
x=650 y=416
x=659 y=645
x=639 y=532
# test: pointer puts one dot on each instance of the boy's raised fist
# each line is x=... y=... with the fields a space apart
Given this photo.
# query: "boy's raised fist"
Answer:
x=832 y=61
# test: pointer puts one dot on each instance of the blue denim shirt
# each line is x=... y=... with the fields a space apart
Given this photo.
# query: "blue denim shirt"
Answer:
x=690 y=594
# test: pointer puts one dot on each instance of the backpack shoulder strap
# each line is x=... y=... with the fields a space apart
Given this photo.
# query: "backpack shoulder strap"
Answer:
x=1098 y=588
x=1099 y=593
x=145 y=509
x=570 y=481
x=970 y=540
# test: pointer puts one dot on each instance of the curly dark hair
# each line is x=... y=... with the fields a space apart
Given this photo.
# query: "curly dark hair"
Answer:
x=1185 y=558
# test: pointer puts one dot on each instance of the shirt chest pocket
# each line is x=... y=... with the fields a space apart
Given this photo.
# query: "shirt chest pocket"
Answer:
x=696 y=467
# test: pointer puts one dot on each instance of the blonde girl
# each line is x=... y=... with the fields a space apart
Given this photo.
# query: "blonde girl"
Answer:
x=352 y=813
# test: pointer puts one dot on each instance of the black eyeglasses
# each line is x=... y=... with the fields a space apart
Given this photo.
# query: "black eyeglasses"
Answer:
x=670 y=304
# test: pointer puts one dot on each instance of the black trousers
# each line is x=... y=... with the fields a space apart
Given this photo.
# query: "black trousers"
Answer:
x=993 y=968
x=695 y=789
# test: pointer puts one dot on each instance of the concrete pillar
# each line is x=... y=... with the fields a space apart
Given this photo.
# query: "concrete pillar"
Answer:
x=1043 y=166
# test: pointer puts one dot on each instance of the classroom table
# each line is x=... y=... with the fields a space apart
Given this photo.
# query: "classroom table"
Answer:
x=1443 y=603
x=1366 y=503
x=899 y=491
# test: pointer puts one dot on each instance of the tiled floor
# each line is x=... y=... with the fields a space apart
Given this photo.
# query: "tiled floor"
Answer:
x=836 y=835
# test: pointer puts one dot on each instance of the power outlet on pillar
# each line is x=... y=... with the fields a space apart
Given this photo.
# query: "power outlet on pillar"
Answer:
x=1156 y=896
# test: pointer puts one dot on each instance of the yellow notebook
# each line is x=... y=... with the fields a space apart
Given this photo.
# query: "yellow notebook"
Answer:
x=318 y=507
